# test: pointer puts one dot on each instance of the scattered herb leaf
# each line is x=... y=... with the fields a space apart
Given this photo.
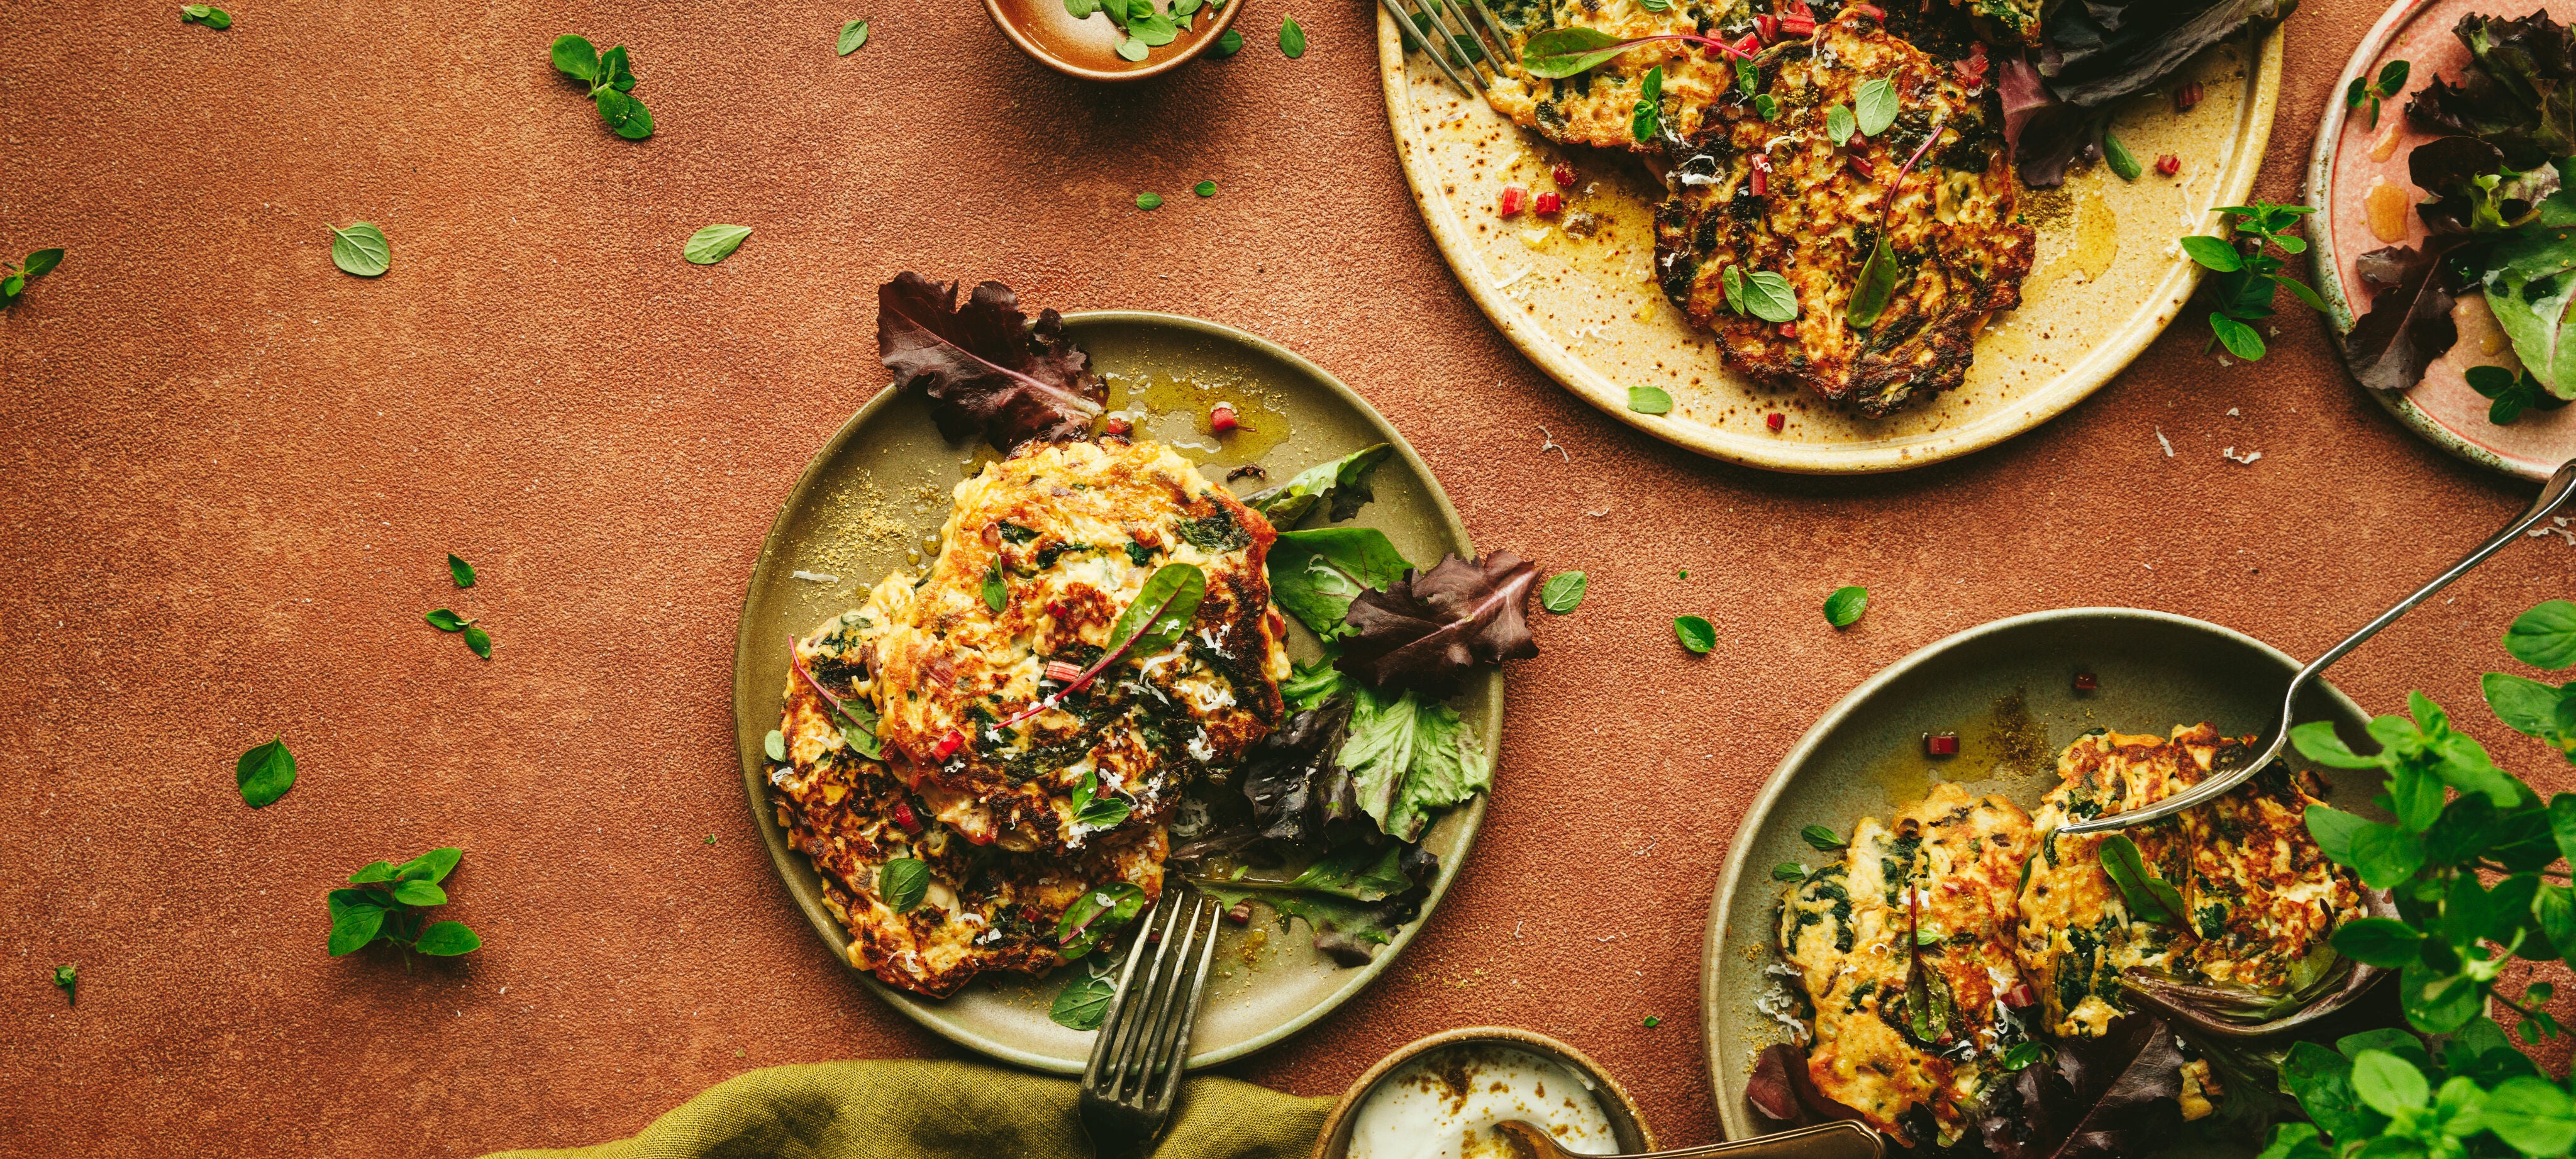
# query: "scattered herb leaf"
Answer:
x=361 y=249
x=1647 y=123
x=1770 y=297
x=2392 y=77
x=1083 y=1004
x=1563 y=592
x=2242 y=292
x=14 y=278
x=387 y=906
x=902 y=883
x=854 y=36
x=775 y=744
x=713 y=244
x=1149 y=201
x=1844 y=607
x=1652 y=1022
x=2119 y=158
x=1874 y=106
x=460 y=571
x=1649 y=400
x=265 y=773
x=206 y=14
x=1788 y=871
x=67 y=979
x=997 y=595
x=2510 y=395
x=610 y=80
x=1204 y=189
x=478 y=641
x=446 y=621
x=1228 y=43
x=1695 y=633
x=1840 y=124
x=1823 y=839
x=1292 y=39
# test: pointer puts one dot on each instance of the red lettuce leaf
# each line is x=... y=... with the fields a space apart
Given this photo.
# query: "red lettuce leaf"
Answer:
x=2409 y=321
x=2102 y=50
x=986 y=369
x=1783 y=1092
x=1296 y=783
x=1425 y=632
x=2518 y=92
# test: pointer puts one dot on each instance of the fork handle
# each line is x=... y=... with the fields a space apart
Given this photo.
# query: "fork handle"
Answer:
x=1842 y=1140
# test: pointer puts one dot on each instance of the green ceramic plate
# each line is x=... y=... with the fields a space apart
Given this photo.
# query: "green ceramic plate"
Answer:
x=873 y=500
x=2155 y=670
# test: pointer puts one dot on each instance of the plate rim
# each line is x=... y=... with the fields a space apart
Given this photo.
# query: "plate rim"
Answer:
x=2095 y=370
x=1729 y=1104
x=2322 y=266
x=788 y=864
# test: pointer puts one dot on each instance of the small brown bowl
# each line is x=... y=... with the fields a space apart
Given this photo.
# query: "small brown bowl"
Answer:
x=1088 y=48
x=1627 y=1123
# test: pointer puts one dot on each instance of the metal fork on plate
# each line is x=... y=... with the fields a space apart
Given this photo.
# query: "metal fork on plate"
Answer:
x=1135 y=1071
x=1469 y=43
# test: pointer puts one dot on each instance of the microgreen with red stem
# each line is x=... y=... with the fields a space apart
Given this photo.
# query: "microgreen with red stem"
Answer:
x=1564 y=52
x=1877 y=281
x=1162 y=609
x=858 y=725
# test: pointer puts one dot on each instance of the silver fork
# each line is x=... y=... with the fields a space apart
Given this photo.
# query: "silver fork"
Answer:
x=1462 y=37
x=1136 y=1063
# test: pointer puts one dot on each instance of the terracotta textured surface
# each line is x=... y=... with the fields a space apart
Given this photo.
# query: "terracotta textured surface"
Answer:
x=231 y=474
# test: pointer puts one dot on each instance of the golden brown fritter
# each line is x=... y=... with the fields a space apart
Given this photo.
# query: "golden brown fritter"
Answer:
x=1065 y=535
x=1933 y=886
x=1961 y=250
x=985 y=909
x=2262 y=898
x=1598 y=107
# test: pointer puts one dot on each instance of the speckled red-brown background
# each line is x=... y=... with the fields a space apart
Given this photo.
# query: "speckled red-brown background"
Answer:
x=229 y=475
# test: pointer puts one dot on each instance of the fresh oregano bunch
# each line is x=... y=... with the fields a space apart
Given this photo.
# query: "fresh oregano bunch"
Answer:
x=2248 y=271
x=611 y=84
x=2461 y=819
x=2382 y=1094
x=390 y=905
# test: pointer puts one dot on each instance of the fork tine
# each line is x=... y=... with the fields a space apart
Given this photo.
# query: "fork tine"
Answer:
x=1502 y=39
x=1121 y=1003
x=1188 y=1011
x=1414 y=37
x=1493 y=49
x=1448 y=39
x=1134 y=1038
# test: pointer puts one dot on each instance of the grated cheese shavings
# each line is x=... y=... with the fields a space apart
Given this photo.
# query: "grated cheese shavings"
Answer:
x=814 y=577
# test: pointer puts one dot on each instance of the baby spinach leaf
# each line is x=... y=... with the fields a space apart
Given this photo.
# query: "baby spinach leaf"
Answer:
x=361 y=249
x=713 y=244
x=902 y=882
x=1314 y=575
x=1651 y=400
x=854 y=36
x=1095 y=915
x=2149 y=897
x=1340 y=486
x=1344 y=930
x=1563 y=592
x=1695 y=633
x=265 y=773
x=1563 y=52
x=1358 y=871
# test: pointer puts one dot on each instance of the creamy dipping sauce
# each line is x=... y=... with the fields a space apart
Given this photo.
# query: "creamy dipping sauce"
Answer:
x=1444 y=1105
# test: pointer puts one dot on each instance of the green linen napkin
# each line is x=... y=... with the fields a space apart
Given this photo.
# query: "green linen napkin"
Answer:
x=922 y=1110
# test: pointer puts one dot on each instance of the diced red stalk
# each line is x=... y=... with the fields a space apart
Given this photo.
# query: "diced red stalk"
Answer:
x=1514 y=198
x=1859 y=166
x=1942 y=744
x=2020 y=996
x=948 y=745
x=1117 y=427
x=1240 y=913
x=903 y=816
x=2168 y=164
x=1797 y=26
x=1563 y=174
x=2086 y=682
x=797 y=661
x=2186 y=97
x=1761 y=175
x=1775 y=420
x=1084 y=680
x=1221 y=419
x=1062 y=672
x=1768 y=26
x=1788 y=329
x=1549 y=204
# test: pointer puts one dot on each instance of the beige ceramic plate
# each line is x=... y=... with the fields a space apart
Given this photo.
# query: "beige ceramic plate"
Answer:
x=873 y=500
x=2353 y=160
x=2108 y=277
x=1865 y=757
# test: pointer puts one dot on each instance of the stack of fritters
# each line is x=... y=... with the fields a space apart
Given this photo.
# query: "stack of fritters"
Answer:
x=1063 y=537
x=1931 y=890
x=2262 y=898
